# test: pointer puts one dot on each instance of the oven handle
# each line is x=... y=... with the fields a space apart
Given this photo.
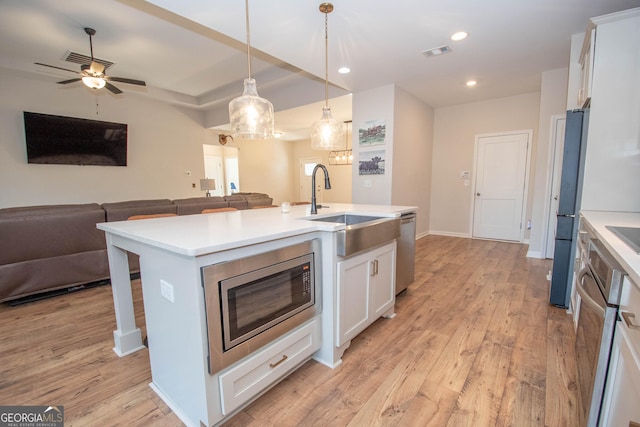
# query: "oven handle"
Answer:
x=585 y=296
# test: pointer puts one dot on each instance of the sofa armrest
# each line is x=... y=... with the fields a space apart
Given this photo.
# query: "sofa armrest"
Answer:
x=48 y=231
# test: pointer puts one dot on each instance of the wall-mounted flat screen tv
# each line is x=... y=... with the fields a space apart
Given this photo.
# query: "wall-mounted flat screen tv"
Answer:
x=74 y=141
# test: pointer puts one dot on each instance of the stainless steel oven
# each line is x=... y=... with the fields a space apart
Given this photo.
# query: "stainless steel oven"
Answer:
x=599 y=285
x=254 y=300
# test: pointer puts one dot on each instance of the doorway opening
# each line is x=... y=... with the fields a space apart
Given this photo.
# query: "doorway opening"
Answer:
x=555 y=160
x=306 y=169
x=221 y=164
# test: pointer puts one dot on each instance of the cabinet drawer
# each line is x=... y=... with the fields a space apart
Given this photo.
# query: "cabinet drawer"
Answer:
x=248 y=378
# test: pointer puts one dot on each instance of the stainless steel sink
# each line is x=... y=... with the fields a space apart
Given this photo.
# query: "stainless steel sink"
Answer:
x=347 y=219
x=362 y=231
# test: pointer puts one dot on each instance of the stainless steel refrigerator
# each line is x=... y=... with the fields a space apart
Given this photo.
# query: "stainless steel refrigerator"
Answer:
x=575 y=142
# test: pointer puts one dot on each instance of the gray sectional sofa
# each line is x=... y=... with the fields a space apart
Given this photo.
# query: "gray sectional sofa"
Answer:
x=55 y=247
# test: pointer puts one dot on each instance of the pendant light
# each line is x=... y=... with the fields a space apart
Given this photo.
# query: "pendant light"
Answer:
x=326 y=134
x=251 y=117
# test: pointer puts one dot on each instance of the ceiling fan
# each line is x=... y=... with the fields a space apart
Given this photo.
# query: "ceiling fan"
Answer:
x=93 y=75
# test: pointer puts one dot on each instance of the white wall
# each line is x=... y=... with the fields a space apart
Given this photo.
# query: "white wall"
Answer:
x=340 y=174
x=374 y=104
x=412 y=156
x=553 y=96
x=163 y=143
x=408 y=149
x=266 y=167
x=455 y=128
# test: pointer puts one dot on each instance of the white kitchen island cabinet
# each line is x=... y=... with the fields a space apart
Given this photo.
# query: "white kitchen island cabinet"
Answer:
x=174 y=252
x=366 y=291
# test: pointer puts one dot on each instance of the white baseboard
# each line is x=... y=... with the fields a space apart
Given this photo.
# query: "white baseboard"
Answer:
x=534 y=254
x=449 y=233
x=421 y=235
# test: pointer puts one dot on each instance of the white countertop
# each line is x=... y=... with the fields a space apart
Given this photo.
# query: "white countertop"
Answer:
x=622 y=252
x=195 y=235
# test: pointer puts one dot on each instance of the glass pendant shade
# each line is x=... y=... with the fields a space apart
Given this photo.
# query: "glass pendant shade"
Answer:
x=251 y=116
x=326 y=134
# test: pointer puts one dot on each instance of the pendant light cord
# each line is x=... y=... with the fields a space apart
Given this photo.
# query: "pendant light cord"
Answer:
x=246 y=4
x=326 y=59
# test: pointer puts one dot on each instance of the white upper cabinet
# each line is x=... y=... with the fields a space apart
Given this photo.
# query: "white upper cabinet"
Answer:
x=586 y=66
x=609 y=63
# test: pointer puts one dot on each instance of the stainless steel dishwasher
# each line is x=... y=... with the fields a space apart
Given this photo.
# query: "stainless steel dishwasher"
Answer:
x=405 y=258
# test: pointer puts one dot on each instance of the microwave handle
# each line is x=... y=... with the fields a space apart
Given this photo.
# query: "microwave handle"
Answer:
x=585 y=296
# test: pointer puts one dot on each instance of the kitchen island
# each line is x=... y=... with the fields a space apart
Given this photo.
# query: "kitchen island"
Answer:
x=173 y=252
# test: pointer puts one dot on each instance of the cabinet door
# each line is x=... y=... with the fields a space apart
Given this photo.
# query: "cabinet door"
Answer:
x=353 y=297
x=382 y=280
x=622 y=395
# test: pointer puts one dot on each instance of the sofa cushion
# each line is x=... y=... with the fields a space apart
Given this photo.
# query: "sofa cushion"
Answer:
x=237 y=201
x=258 y=199
x=196 y=205
x=121 y=211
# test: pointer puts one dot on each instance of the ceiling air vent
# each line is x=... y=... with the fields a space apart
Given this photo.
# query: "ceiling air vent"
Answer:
x=436 y=51
x=78 y=58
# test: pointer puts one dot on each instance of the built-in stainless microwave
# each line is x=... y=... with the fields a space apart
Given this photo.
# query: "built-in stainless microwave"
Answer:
x=254 y=300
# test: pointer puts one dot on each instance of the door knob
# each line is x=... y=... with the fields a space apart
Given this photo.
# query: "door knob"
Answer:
x=478 y=194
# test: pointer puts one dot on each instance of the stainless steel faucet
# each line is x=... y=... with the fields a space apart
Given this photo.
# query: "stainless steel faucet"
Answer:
x=327 y=186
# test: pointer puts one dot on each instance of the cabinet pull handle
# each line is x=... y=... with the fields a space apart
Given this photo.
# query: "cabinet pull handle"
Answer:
x=374 y=268
x=628 y=320
x=273 y=365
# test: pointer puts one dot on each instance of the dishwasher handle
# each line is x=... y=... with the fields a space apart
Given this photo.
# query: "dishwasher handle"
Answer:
x=584 y=295
x=407 y=218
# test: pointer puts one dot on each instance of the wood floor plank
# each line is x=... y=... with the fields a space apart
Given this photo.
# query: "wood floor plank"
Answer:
x=474 y=342
x=480 y=399
x=561 y=385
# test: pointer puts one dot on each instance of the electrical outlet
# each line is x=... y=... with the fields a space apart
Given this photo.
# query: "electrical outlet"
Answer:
x=166 y=290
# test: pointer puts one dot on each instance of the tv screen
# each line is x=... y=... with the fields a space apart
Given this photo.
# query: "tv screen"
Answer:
x=73 y=141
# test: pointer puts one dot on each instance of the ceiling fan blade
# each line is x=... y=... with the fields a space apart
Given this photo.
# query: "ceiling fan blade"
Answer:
x=112 y=88
x=125 y=80
x=96 y=68
x=53 y=66
x=64 y=82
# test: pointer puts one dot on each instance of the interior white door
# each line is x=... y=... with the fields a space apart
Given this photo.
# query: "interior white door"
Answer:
x=306 y=168
x=501 y=169
x=557 y=143
x=213 y=169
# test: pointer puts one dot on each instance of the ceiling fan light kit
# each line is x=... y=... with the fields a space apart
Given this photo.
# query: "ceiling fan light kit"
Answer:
x=94 y=82
x=326 y=134
x=250 y=116
x=92 y=74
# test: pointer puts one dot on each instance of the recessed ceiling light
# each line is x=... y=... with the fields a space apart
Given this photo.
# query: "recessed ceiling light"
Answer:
x=460 y=35
x=344 y=70
x=472 y=83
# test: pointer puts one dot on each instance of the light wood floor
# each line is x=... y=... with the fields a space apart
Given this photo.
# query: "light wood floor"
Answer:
x=474 y=343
